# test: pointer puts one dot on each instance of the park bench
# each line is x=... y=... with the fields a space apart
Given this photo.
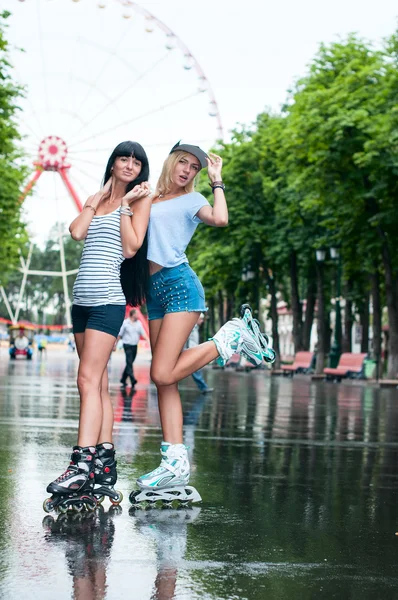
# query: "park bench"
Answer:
x=350 y=365
x=302 y=364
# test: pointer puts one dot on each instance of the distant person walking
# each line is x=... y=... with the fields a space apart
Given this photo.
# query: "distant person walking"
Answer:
x=42 y=346
x=130 y=334
x=193 y=341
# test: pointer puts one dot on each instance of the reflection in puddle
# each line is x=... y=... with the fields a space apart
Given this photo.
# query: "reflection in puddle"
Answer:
x=87 y=540
x=168 y=530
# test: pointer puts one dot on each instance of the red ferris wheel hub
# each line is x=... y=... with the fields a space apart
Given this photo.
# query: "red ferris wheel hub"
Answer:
x=52 y=153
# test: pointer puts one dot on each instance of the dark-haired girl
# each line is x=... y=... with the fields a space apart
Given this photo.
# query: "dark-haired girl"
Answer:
x=113 y=268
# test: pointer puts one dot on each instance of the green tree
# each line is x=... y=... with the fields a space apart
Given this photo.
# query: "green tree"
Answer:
x=341 y=156
x=12 y=171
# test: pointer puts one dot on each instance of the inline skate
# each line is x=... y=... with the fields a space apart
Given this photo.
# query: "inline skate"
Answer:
x=254 y=327
x=106 y=474
x=166 y=485
x=73 y=490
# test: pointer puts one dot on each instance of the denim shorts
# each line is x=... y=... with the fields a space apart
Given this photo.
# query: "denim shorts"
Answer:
x=107 y=318
x=174 y=289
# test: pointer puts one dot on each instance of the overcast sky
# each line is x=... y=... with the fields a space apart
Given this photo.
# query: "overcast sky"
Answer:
x=251 y=52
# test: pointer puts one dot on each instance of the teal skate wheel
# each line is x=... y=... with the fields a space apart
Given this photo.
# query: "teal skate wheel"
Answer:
x=243 y=309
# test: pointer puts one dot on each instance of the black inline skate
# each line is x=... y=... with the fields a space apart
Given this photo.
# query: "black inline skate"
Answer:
x=73 y=490
x=106 y=474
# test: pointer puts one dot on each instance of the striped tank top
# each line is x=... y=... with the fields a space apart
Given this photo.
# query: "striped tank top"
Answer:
x=98 y=279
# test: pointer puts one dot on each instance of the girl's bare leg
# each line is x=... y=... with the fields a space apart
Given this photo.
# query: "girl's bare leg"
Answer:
x=169 y=363
x=94 y=355
x=169 y=401
x=107 y=411
x=171 y=344
x=107 y=408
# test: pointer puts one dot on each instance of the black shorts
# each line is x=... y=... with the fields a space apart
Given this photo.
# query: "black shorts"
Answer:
x=107 y=318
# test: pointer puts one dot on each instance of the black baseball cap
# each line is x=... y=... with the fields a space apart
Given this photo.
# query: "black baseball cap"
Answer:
x=195 y=150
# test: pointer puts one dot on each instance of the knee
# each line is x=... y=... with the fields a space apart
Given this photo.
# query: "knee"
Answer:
x=161 y=377
x=86 y=382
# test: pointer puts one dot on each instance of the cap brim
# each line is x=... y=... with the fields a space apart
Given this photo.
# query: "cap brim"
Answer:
x=195 y=150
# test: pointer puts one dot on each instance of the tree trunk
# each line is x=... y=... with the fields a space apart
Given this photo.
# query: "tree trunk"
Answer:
x=274 y=317
x=364 y=320
x=309 y=312
x=320 y=351
x=230 y=306
x=297 y=308
x=377 y=332
x=327 y=332
x=220 y=299
x=391 y=298
x=346 y=345
x=212 y=318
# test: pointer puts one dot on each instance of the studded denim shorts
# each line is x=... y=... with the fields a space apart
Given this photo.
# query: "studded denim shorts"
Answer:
x=174 y=289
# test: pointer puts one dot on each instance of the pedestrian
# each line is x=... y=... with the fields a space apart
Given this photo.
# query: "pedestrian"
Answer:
x=193 y=341
x=42 y=346
x=175 y=299
x=130 y=334
x=113 y=224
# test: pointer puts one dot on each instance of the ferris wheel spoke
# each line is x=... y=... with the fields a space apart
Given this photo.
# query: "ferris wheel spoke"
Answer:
x=86 y=150
x=43 y=63
x=76 y=181
x=127 y=89
x=142 y=116
x=102 y=70
x=33 y=110
x=88 y=162
x=89 y=175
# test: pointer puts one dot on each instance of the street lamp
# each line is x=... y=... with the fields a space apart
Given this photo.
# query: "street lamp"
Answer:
x=335 y=350
x=247 y=273
x=320 y=254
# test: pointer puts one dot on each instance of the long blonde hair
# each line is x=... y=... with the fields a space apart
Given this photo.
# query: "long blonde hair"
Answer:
x=165 y=180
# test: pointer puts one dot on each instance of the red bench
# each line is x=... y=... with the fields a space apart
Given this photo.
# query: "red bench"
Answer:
x=302 y=364
x=350 y=365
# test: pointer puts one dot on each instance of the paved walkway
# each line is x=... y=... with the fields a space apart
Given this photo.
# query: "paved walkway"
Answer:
x=299 y=483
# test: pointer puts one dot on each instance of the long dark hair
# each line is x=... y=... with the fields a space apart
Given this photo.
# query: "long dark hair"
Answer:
x=134 y=272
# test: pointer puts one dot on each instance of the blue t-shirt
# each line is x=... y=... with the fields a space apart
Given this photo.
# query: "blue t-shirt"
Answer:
x=171 y=226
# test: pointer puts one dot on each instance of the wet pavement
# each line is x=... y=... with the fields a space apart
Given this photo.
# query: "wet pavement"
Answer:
x=299 y=483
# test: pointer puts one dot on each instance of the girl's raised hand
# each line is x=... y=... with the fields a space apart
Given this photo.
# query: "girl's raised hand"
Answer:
x=214 y=166
x=139 y=191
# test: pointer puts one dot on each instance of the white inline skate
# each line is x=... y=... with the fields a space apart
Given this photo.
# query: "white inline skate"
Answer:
x=168 y=484
x=254 y=327
x=235 y=337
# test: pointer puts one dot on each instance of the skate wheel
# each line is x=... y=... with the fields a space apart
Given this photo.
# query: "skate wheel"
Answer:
x=100 y=499
x=133 y=496
x=48 y=523
x=243 y=309
x=78 y=507
x=116 y=501
x=63 y=509
x=47 y=505
x=115 y=510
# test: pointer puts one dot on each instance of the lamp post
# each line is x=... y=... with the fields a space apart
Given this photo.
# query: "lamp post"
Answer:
x=247 y=273
x=335 y=350
x=252 y=289
x=320 y=347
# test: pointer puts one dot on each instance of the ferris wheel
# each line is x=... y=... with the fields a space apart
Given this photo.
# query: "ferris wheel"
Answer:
x=97 y=73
